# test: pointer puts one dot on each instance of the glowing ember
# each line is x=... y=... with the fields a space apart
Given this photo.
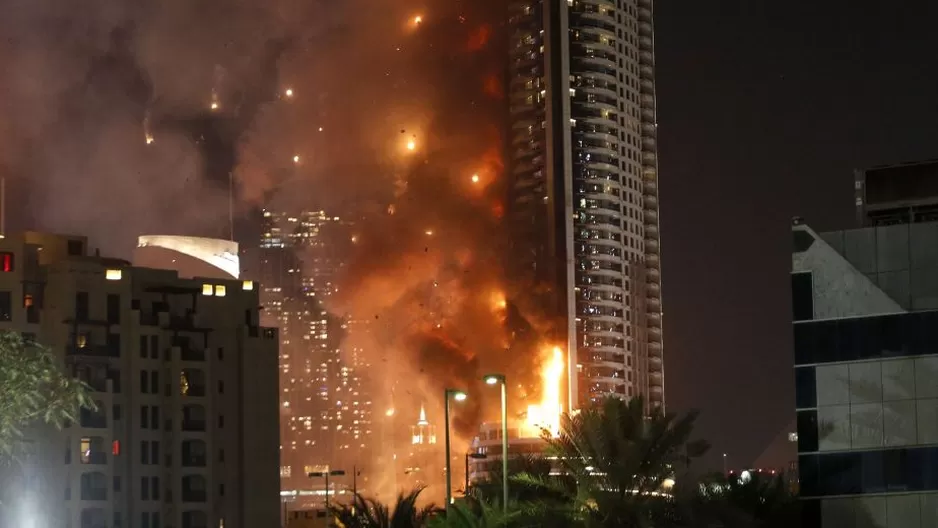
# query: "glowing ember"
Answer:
x=418 y=19
x=214 y=105
x=475 y=178
x=411 y=145
x=498 y=301
x=546 y=415
x=289 y=92
x=149 y=139
x=296 y=159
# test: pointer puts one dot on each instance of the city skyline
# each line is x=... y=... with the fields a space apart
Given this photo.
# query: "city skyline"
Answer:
x=750 y=135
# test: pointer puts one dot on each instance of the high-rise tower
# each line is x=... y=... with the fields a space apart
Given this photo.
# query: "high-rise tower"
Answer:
x=584 y=185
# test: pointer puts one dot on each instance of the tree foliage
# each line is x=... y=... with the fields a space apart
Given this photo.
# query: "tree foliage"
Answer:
x=369 y=513
x=620 y=458
x=34 y=389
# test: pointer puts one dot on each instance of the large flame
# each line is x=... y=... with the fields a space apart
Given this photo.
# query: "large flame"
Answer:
x=546 y=415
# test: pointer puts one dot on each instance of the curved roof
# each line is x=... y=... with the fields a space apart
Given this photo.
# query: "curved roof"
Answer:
x=223 y=254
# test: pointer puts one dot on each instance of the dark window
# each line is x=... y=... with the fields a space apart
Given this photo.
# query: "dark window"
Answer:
x=144 y=417
x=221 y=421
x=145 y=518
x=117 y=483
x=155 y=486
x=802 y=297
x=6 y=262
x=143 y=347
x=113 y=308
x=221 y=387
x=155 y=347
x=156 y=519
x=155 y=381
x=221 y=490
x=221 y=455
x=6 y=306
x=807 y=431
x=114 y=345
x=75 y=247
x=116 y=411
x=145 y=488
x=879 y=337
x=118 y=520
x=155 y=417
x=155 y=452
x=81 y=306
x=144 y=382
x=221 y=353
x=805 y=388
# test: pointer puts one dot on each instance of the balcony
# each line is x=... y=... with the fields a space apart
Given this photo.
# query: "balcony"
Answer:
x=193 y=425
x=93 y=494
x=99 y=351
x=94 y=458
x=189 y=354
x=93 y=420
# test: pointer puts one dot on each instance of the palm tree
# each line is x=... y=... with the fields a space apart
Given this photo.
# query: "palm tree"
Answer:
x=759 y=500
x=622 y=459
x=369 y=513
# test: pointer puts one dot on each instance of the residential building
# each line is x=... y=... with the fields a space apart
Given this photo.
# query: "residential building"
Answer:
x=584 y=186
x=485 y=459
x=865 y=318
x=325 y=410
x=185 y=384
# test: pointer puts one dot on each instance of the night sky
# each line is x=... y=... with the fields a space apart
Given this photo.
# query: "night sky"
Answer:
x=765 y=109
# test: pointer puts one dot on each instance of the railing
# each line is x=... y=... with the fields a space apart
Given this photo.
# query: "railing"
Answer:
x=193 y=425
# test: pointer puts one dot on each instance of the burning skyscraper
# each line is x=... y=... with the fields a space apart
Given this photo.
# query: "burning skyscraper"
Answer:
x=584 y=186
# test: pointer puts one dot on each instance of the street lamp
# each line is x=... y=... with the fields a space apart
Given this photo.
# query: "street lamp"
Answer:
x=493 y=379
x=327 y=474
x=476 y=456
x=459 y=396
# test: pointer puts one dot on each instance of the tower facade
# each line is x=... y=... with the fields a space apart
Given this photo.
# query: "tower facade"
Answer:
x=584 y=185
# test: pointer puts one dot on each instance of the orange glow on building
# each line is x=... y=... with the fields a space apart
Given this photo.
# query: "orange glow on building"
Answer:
x=546 y=414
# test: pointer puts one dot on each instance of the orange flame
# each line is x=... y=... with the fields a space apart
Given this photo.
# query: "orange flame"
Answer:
x=546 y=415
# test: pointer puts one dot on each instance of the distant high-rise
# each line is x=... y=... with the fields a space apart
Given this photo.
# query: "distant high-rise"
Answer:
x=325 y=411
x=897 y=194
x=584 y=185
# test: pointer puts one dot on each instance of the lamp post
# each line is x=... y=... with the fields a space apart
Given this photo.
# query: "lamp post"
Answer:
x=493 y=379
x=457 y=395
x=724 y=465
x=334 y=473
x=476 y=456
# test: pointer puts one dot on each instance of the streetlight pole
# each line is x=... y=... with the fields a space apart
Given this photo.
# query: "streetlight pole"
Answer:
x=477 y=456
x=492 y=379
x=457 y=395
x=318 y=474
x=724 y=465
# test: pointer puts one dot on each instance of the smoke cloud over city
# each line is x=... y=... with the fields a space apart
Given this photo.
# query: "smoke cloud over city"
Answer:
x=119 y=119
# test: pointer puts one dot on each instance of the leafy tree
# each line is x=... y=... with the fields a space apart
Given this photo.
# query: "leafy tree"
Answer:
x=34 y=389
x=369 y=513
x=621 y=458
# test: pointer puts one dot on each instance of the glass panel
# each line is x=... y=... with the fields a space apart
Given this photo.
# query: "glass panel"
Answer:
x=898 y=379
x=833 y=428
x=899 y=423
x=866 y=382
x=926 y=377
x=904 y=511
x=832 y=384
x=927 y=418
x=866 y=425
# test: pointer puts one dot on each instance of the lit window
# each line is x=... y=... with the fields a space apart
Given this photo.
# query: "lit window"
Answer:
x=85 y=450
x=116 y=447
x=220 y=290
x=6 y=262
x=247 y=285
x=81 y=340
x=113 y=274
x=207 y=289
x=183 y=383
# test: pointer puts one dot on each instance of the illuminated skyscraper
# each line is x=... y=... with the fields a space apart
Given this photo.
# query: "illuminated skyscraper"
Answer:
x=584 y=185
x=325 y=415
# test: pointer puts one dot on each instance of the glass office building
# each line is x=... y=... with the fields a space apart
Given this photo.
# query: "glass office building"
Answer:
x=866 y=371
